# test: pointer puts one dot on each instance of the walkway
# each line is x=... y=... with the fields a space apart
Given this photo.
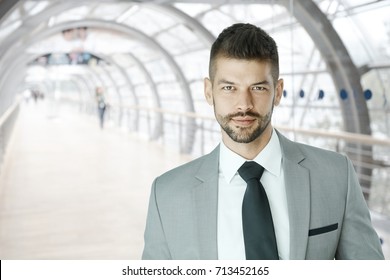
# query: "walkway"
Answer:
x=69 y=190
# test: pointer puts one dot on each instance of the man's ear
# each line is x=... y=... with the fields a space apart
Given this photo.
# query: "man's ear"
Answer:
x=278 y=91
x=208 y=91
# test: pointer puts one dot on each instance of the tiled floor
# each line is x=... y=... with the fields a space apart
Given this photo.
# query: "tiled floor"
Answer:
x=69 y=190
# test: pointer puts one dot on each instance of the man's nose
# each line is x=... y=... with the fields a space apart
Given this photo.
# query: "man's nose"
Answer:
x=245 y=101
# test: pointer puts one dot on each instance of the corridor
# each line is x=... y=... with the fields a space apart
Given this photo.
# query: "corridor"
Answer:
x=69 y=190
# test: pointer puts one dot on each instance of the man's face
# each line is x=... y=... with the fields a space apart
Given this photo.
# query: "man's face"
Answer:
x=243 y=95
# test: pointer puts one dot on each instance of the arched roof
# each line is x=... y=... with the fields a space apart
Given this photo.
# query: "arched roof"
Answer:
x=157 y=52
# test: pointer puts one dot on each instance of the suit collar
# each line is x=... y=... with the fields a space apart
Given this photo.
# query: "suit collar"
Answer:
x=209 y=167
x=297 y=178
x=205 y=198
x=290 y=149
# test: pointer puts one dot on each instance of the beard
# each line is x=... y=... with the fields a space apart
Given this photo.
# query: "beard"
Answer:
x=244 y=134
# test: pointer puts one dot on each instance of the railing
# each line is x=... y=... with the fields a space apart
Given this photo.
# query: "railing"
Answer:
x=7 y=120
x=375 y=159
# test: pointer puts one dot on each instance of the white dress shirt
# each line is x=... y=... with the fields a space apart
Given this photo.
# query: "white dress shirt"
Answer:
x=231 y=191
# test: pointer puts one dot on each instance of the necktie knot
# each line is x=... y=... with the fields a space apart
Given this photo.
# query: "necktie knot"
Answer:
x=251 y=170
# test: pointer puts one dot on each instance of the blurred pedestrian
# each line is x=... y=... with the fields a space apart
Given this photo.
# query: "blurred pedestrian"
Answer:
x=102 y=105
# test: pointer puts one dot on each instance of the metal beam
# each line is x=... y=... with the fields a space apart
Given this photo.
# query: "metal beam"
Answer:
x=343 y=71
x=29 y=26
x=5 y=7
x=341 y=68
x=158 y=126
x=187 y=97
x=192 y=23
x=134 y=33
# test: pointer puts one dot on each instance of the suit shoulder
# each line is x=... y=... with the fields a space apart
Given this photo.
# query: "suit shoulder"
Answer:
x=185 y=173
x=320 y=152
x=323 y=160
x=312 y=156
x=192 y=165
x=296 y=150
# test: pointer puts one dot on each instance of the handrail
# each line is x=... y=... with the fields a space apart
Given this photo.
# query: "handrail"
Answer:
x=171 y=112
x=9 y=111
x=339 y=135
x=346 y=136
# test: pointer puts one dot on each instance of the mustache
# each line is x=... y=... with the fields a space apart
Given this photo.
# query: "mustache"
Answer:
x=244 y=114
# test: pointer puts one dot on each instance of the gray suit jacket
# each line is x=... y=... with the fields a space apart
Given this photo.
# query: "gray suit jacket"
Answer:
x=328 y=216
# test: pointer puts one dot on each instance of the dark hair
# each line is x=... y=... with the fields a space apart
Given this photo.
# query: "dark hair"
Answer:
x=245 y=41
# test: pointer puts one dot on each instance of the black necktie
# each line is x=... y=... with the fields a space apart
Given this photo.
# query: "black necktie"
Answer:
x=258 y=227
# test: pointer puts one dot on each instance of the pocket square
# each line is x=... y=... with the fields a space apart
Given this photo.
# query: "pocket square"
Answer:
x=321 y=230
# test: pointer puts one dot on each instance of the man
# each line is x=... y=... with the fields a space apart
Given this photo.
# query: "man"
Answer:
x=196 y=211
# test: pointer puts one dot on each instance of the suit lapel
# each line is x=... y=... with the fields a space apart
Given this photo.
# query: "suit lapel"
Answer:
x=205 y=197
x=298 y=197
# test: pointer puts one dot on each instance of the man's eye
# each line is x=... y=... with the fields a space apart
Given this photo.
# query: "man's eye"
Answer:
x=259 y=88
x=228 y=88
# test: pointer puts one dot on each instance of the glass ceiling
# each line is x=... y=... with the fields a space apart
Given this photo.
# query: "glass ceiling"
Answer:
x=154 y=55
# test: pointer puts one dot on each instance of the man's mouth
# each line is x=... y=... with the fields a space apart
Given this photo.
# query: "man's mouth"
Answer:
x=243 y=121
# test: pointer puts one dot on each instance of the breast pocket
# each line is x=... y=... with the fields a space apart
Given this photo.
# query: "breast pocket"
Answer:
x=322 y=243
x=322 y=230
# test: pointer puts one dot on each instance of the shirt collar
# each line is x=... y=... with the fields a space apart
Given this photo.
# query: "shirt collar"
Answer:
x=270 y=158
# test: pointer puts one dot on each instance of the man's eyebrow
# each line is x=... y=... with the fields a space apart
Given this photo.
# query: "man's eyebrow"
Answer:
x=265 y=82
x=223 y=81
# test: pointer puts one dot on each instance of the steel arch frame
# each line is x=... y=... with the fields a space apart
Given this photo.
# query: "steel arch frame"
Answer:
x=195 y=26
x=344 y=73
